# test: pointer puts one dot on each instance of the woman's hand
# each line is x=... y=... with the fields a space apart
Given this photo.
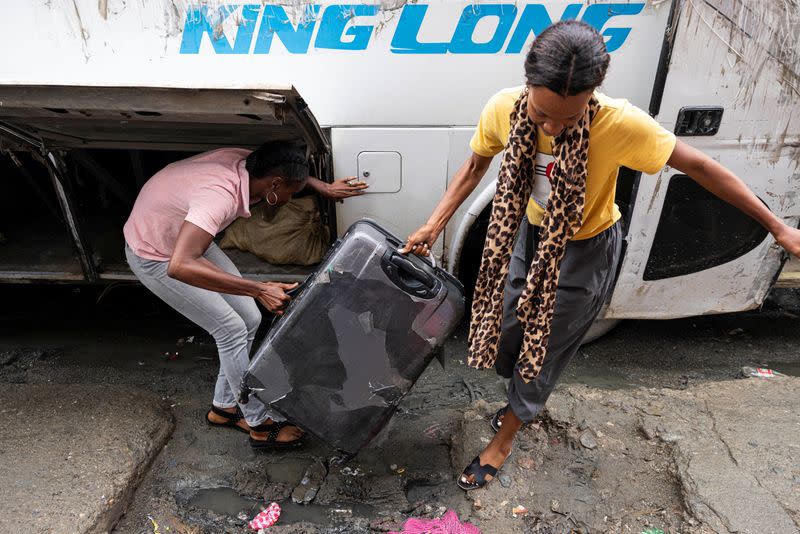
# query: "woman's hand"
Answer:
x=273 y=296
x=421 y=241
x=789 y=239
x=345 y=188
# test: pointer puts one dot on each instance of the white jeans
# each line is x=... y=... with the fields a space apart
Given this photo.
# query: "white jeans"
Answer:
x=231 y=319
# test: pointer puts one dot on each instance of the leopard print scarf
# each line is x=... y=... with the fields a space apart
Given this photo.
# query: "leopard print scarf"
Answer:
x=562 y=219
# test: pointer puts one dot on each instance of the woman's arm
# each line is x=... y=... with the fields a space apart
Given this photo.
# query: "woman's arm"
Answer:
x=464 y=182
x=188 y=265
x=723 y=183
x=338 y=189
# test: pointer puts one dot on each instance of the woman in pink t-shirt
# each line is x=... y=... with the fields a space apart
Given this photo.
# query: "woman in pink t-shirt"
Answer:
x=170 y=248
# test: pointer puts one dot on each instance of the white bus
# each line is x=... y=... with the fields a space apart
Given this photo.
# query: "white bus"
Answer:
x=95 y=96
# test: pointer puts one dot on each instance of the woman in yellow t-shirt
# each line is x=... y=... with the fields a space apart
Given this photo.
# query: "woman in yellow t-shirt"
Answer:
x=558 y=105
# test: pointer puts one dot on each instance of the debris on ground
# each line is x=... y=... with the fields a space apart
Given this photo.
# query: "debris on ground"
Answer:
x=266 y=518
x=447 y=524
x=527 y=463
x=519 y=510
x=184 y=341
x=758 y=372
x=154 y=524
x=352 y=472
x=587 y=440
x=309 y=486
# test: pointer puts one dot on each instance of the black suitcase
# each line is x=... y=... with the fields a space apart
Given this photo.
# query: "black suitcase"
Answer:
x=355 y=339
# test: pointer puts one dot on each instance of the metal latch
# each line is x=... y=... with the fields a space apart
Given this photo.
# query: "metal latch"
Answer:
x=698 y=121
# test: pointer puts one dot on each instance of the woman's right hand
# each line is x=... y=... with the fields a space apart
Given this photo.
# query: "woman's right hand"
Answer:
x=273 y=296
x=421 y=241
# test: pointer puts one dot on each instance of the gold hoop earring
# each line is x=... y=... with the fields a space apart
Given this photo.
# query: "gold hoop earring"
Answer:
x=272 y=202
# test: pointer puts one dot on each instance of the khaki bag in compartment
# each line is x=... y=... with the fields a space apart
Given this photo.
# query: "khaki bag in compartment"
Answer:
x=292 y=234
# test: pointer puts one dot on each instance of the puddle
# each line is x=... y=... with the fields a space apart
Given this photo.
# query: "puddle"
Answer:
x=315 y=513
x=225 y=501
x=286 y=472
x=597 y=378
x=420 y=491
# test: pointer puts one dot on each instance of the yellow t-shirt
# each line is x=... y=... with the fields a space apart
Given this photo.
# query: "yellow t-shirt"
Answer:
x=621 y=135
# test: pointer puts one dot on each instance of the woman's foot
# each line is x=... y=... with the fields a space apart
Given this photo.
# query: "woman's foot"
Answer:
x=228 y=418
x=272 y=435
x=484 y=468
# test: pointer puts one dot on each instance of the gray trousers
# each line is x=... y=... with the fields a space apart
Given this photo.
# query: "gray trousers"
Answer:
x=231 y=319
x=586 y=279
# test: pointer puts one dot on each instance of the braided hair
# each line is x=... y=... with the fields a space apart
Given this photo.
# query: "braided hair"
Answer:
x=568 y=58
x=278 y=158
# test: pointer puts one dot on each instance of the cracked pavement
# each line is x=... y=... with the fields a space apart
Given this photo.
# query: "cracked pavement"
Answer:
x=649 y=429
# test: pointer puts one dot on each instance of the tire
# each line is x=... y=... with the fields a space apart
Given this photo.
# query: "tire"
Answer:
x=470 y=259
x=599 y=328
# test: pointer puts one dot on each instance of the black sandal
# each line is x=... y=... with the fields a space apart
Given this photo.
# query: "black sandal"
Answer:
x=232 y=419
x=272 y=443
x=479 y=473
x=496 y=422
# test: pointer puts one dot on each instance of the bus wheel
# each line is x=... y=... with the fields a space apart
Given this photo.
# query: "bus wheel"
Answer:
x=599 y=328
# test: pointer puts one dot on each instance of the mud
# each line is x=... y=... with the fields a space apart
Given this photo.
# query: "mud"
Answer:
x=209 y=480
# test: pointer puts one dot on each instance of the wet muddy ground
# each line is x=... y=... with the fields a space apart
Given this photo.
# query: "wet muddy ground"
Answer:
x=596 y=473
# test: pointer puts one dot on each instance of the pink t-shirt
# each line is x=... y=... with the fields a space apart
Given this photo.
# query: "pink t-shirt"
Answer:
x=209 y=190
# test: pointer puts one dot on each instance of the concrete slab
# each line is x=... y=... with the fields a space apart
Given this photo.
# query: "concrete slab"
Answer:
x=736 y=451
x=72 y=455
x=724 y=452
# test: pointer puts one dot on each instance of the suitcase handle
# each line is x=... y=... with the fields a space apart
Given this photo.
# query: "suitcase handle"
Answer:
x=405 y=265
x=408 y=277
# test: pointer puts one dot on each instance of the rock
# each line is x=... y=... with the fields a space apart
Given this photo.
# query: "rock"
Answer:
x=306 y=491
x=669 y=437
x=477 y=504
x=484 y=409
x=505 y=480
x=587 y=440
x=648 y=431
x=652 y=408
x=519 y=510
x=527 y=463
x=555 y=505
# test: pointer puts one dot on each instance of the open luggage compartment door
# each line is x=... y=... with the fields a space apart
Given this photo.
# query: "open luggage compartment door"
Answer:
x=97 y=136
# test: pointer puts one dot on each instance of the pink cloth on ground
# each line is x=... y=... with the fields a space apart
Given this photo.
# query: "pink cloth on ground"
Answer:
x=266 y=518
x=447 y=524
x=209 y=190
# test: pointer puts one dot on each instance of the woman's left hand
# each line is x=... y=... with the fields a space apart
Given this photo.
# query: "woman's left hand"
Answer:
x=345 y=188
x=789 y=239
